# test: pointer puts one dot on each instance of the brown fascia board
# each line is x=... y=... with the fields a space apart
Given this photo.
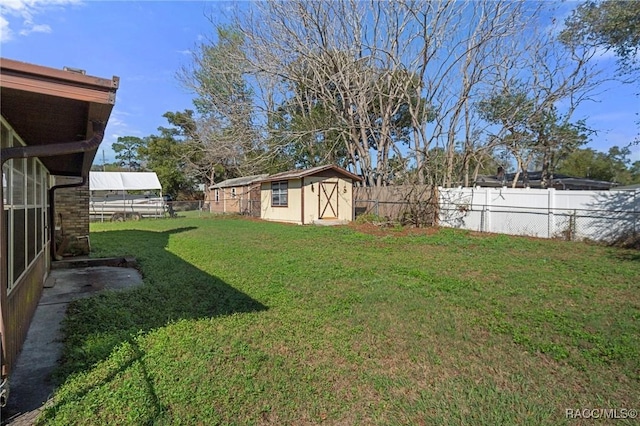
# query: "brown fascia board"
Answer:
x=50 y=81
x=53 y=150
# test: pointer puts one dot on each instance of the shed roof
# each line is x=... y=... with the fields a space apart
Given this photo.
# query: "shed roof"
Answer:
x=48 y=106
x=241 y=181
x=299 y=174
x=123 y=181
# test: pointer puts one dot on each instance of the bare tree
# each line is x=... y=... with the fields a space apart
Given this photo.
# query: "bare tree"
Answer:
x=536 y=92
x=327 y=56
x=379 y=87
x=461 y=43
x=225 y=138
x=384 y=71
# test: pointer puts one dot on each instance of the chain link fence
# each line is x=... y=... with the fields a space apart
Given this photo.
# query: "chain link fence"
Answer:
x=606 y=216
x=160 y=210
x=211 y=208
x=197 y=208
x=234 y=205
x=568 y=224
x=611 y=226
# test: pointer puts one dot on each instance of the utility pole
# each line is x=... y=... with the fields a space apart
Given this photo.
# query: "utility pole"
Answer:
x=103 y=160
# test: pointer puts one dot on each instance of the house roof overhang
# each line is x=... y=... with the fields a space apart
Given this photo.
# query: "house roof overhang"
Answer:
x=60 y=115
x=559 y=181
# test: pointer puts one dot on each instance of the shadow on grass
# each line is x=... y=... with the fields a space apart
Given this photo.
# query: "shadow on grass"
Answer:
x=173 y=290
x=627 y=255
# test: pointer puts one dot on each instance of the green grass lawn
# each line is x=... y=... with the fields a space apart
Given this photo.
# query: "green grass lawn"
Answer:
x=247 y=322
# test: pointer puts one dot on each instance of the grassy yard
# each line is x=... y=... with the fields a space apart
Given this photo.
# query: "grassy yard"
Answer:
x=246 y=322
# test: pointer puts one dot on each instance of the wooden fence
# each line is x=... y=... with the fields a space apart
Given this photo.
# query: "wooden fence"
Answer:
x=407 y=204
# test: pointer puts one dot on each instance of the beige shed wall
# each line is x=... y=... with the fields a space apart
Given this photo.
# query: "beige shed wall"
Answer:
x=312 y=199
x=292 y=213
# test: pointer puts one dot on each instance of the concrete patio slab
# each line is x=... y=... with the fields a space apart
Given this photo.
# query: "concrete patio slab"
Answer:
x=30 y=382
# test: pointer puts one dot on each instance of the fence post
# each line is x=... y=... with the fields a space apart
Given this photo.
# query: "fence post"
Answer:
x=377 y=209
x=487 y=210
x=551 y=205
x=636 y=213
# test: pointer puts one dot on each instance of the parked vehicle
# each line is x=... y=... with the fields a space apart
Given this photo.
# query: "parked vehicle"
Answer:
x=120 y=196
x=121 y=207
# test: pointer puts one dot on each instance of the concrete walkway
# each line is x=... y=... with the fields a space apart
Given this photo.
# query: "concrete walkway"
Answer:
x=30 y=381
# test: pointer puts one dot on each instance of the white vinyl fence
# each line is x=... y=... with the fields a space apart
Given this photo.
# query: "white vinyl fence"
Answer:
x=547 y=213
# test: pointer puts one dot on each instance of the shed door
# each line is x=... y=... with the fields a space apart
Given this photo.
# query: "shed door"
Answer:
x=328 y=200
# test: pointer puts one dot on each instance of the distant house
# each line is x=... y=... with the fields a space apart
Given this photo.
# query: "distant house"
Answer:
x=534 y=180
x=238 y=195
x=322 y=194
x=53 y=122
x=632 y=187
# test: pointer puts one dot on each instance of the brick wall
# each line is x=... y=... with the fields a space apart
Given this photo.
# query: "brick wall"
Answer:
x=72 y=216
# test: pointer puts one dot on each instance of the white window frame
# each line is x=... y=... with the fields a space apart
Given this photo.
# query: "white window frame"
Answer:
x=35 y=182
x=280 y=192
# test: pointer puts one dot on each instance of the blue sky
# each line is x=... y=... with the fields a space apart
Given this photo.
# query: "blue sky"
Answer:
x=146 y=42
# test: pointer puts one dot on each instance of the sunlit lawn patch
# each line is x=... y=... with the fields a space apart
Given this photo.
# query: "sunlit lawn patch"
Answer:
x=248 y=322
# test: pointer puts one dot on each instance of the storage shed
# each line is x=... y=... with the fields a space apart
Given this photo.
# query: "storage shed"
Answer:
x=319 y=195
x=237 y=195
